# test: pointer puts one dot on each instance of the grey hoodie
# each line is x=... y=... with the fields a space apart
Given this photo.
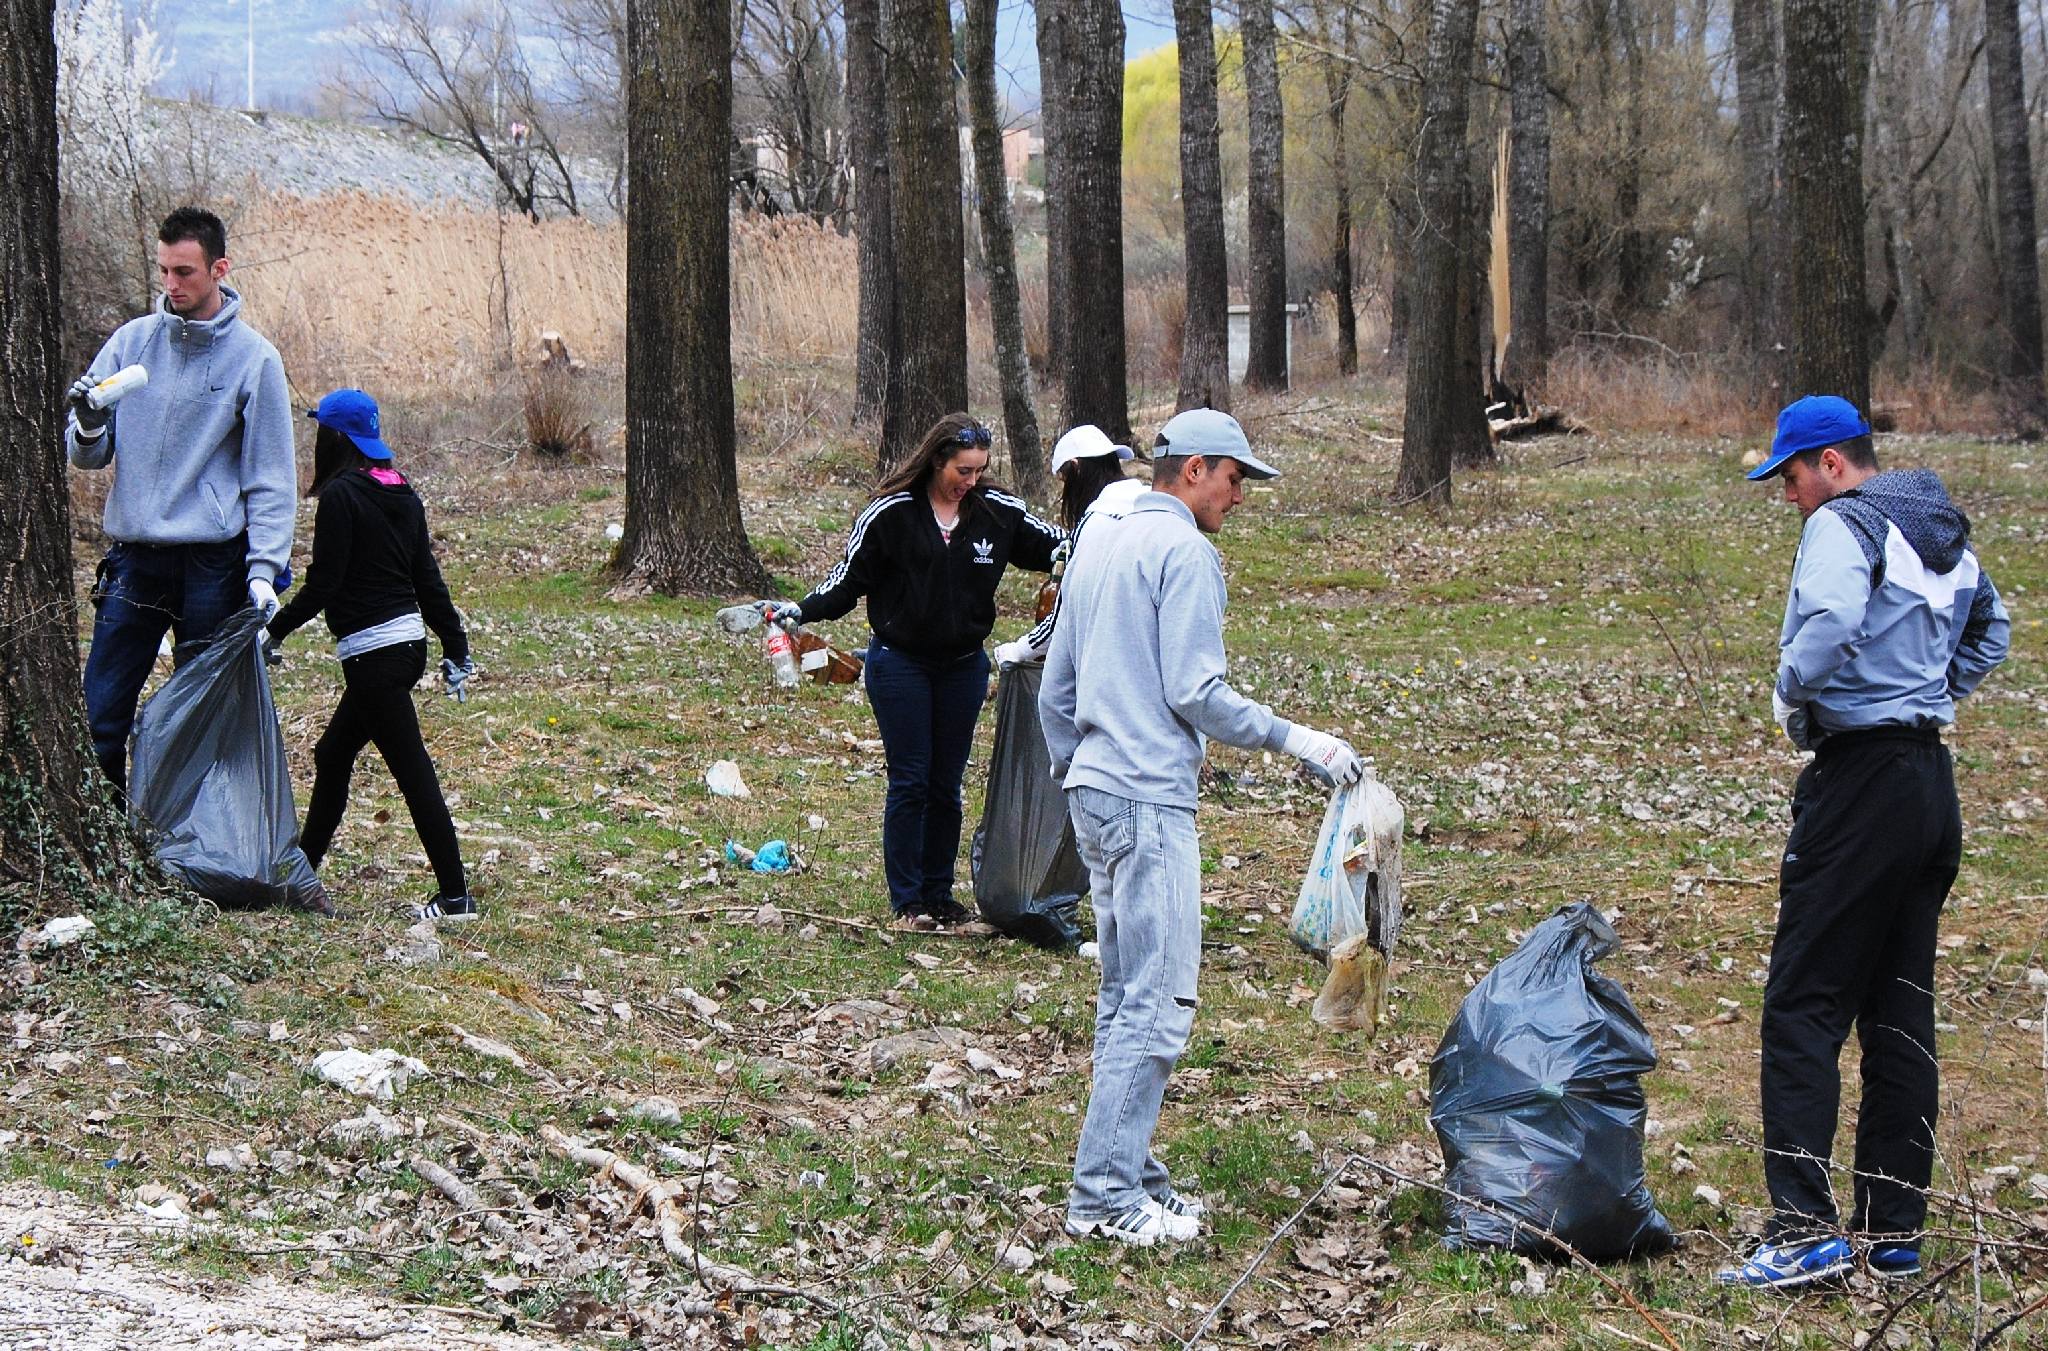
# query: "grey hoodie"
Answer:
x=204 y=450
x=1134 y=683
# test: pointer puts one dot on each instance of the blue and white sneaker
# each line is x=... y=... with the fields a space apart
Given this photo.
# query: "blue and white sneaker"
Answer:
x=1787 y=1266
x=1894 y=1262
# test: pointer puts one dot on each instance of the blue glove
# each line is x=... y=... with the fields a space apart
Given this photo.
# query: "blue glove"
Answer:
x=782 y=612
x=457 y=678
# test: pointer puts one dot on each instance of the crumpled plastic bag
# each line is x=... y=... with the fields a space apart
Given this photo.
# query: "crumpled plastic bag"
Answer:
x=1353 y=883
x=1537 y=1099
x=210 y=789
x=1028 y=874
x=375 y=1074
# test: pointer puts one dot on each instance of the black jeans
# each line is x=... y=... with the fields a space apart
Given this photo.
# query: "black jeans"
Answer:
x=376 y=706
x=1875 y=844
x=926 y=712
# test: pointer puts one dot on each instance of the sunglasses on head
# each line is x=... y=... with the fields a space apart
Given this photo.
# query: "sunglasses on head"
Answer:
x=973 y=435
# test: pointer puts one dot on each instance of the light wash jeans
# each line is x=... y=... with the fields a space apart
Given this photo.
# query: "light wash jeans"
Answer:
x=1145 y=873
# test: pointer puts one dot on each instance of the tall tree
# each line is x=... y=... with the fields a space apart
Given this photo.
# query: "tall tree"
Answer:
x=867 y=118
x=1006 y=311
x=1822 y=158
x=1053 y=26
x=1337 y=84
x=2019 y=271
x=1205 y=332
x=1430 y=425
x=1755 y=26
x=1528 y=354
x=55 y=822
x=1087 y=191
x=1266 y=225
x=924 y=207
x=682 y=529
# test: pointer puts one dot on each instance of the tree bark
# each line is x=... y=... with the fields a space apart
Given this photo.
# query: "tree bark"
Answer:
x=1089 y=89
x=1020 y=423
x=1755 y=25
x=59 y=836
x=1429 y=426
x=1528 y=354
x=1266 y=224
x=2019 y=272
x=1471 y=441
x=1632 y=267
x=682 y=530
x=924 y=206
x=1822 y=159
x=1205 y=333
x=1337 y=84
x=1054 y=25
x=867 y=116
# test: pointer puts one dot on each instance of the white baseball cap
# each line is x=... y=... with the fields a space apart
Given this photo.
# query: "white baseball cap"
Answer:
x=1204 y=431
x=1085 y=442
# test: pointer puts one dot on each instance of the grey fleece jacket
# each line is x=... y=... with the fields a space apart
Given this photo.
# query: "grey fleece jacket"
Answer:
x=1134 y=684
x=204 y=451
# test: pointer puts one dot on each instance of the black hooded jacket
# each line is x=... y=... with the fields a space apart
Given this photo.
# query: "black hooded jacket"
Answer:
x=373 y=561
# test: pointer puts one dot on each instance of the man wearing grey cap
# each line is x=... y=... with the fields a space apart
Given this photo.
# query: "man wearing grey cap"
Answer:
x=1134 y=688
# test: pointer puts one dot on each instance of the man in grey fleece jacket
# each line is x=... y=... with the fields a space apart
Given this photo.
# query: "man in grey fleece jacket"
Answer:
x=1134 y=687
x=205 y=483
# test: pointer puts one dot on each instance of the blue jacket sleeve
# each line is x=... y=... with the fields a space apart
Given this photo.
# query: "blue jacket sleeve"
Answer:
x=1824 y=616
x=270 y=474
x=1986 y=638
x=1058 y=696
x=98 y=452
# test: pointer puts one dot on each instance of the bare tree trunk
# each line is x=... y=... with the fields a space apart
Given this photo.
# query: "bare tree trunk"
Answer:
x=1429 y=426
x=1337 y=84
x=683 y=531
x=59 y=835
x=1205 y=333
x=2019 y=272
x=924 y=205
x=1006 y=310
x=1090 y=94
x=1471 y=441
x=1822 y=159
x=1756 y=98
x=1266 y=232
x=1528 y=354
x=867 y=117
x=1054 y=28
x=1632 y=267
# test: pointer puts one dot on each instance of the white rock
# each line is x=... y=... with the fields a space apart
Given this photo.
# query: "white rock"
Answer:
x=1017 y=1256
x=655 y=1111
x=231 y=1158
x=1710 y=1195
x=985 y=1063
x=372 y=1125
x=375 y=1074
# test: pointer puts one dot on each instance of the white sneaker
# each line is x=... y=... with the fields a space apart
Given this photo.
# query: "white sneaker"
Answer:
x=1185 y=1206
x=1141 y=1226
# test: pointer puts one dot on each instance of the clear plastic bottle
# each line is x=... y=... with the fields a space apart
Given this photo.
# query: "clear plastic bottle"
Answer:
x=781 y=654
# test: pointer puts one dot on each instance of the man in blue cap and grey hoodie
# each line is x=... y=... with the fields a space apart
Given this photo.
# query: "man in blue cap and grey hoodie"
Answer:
x=1134 y=688
x=205 y=484
x=1890 y=622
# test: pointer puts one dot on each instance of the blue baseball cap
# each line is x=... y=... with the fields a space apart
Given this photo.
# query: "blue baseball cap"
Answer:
x=354 y=414
x=1812 y=423
x=1204 y=431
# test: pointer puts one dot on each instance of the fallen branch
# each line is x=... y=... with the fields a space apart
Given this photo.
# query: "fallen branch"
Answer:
x=1997 y=1329
x=1271 y=1243
x=465 y=1196
x=660 y=1198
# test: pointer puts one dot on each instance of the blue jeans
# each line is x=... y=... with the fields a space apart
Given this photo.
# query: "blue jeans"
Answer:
x=926 y=712
x=1145 y=872
x=145 y=591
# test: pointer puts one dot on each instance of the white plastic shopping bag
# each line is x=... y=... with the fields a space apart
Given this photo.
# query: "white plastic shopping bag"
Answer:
x=1353 y=884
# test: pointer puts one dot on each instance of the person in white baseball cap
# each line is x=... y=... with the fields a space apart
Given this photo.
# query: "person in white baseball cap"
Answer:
x=1093 y=486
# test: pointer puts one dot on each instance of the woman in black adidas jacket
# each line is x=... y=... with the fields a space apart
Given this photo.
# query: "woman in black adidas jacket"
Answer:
x=373 y=572
x=927 y=553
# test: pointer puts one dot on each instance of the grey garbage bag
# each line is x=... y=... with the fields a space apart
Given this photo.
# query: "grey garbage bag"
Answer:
x=209 y=789
x=1028 y=876
x=1537 y=1099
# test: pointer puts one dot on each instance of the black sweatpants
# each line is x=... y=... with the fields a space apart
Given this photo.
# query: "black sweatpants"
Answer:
x=1876 y=840
x=376 y=706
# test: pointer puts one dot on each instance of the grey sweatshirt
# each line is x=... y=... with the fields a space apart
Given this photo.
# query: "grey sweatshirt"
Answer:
x=204 y=451
x=1134 y=684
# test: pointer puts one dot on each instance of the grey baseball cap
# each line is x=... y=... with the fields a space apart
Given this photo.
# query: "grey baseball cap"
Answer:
x=1204 y=431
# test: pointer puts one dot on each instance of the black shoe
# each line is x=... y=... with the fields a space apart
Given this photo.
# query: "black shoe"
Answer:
x=451 y=908
x=947 y=913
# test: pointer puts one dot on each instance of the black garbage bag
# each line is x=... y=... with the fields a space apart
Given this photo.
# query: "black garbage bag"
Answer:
x=209 y=789
x=1028 y=876
x=1537 y=1099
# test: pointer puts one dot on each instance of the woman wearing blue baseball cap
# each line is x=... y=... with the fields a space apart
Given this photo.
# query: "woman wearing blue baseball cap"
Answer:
x=373 y=572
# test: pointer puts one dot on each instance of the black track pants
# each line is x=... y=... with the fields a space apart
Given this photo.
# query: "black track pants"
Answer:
x=1876 y=840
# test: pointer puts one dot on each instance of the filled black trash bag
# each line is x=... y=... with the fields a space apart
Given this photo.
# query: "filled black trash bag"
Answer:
x=1028 y=876
x=209 y=789
x=1537 y=1099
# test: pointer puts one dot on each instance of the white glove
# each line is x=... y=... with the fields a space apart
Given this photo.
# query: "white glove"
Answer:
x=1781 y=713
x=263 y=596
x=1330 y=758
x=1015 y=654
